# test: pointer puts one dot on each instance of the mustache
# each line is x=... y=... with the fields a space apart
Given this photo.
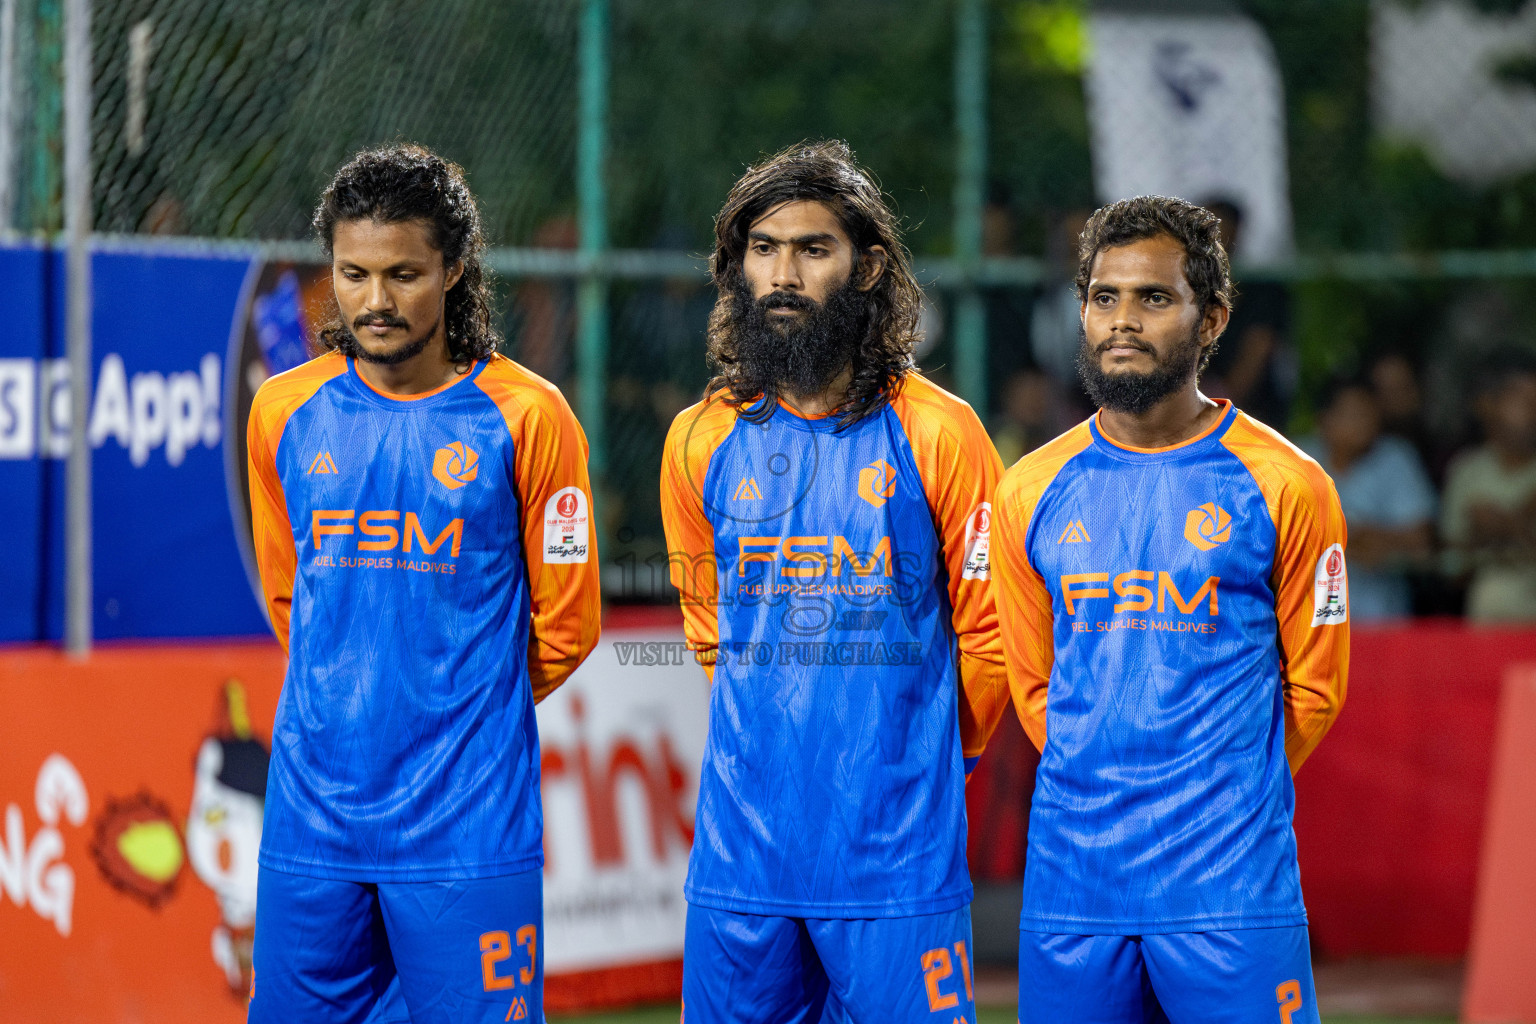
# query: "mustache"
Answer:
x=1105 y=346
x=381 y=320
x=787 y=300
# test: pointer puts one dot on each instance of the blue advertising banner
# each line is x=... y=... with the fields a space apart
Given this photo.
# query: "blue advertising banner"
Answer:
x=180 y=341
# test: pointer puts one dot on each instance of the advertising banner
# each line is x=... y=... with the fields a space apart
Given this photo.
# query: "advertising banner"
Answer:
x=181 y=340
x=167 y=562
x=1194 y=107
x=131 y=800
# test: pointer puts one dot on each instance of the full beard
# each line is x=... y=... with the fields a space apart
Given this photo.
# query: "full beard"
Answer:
x=1134 y=393
x=797 y=355
x=347 y=344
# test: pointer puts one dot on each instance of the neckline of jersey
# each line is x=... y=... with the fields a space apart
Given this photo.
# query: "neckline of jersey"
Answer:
x=412 y=401
x=793 y=419
x=1215 y=430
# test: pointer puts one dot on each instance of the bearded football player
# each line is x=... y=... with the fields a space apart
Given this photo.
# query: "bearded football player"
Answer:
x=828 y=515
x=1174 y=607
x=421 y=513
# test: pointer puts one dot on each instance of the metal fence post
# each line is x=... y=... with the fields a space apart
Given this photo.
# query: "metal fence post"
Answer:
x=592 y=223
x=7 y=113
x=970 y=324
x=77 y=217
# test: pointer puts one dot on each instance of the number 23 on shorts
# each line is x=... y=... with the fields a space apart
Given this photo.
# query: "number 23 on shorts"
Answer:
x=498 y=946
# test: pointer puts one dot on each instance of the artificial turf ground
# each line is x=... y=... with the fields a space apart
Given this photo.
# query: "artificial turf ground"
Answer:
x=984 y=1015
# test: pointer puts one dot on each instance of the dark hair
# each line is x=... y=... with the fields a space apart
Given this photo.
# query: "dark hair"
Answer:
x=824 y=172
x=408 y=182
x=1500 y=368
x=1193 y=227
x=1337 y=385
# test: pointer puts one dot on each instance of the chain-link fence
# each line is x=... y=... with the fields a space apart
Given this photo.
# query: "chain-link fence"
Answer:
x=1405 y=128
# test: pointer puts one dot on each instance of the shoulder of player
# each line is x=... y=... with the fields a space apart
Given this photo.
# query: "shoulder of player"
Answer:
x=699 y=429
x=519 y=393
x=929 y=414
x=1277 y=466
x=1026 y=480
x=282 y=394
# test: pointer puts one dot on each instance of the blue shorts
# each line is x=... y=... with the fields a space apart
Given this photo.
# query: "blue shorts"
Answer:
x=1244 y=976
x=329 y=952
x=794 y=970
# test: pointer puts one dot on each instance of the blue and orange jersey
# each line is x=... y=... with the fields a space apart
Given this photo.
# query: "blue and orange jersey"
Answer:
x=428 y=564
x=836 y=583
x=1176 y=626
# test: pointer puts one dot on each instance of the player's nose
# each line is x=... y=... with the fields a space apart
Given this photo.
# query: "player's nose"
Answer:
x=378 y=298
x=786 y=275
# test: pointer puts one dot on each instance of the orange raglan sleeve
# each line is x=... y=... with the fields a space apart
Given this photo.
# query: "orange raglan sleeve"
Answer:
x=960 y=470
x=1025 y=614
x=692 y=440
x=1310 y=582
x=275 y=402
x=271 y=532
x=559 y=536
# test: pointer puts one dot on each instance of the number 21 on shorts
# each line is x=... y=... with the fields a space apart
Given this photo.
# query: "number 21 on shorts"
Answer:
x=937 y=966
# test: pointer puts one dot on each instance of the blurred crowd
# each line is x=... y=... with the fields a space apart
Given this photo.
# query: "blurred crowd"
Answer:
x=1434 y=455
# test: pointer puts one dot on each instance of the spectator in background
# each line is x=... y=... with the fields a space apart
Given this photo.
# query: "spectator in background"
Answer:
x=1055 y=323
x=1400 y=396
x=1387 y=498
x=1253 y=365
x=1031 y=415
x=1490 y=498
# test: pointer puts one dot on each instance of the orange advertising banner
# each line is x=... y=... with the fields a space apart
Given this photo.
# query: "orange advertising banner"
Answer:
x=131 y=787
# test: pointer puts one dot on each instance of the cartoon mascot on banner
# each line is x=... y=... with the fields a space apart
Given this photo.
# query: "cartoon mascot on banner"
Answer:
x=224 y=832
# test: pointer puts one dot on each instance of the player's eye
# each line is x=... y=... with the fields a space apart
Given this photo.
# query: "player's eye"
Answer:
x=763 y=249
x=406 y=277
x=815 y=250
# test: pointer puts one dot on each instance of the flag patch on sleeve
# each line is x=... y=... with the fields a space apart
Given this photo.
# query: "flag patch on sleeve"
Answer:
x=1330 y=589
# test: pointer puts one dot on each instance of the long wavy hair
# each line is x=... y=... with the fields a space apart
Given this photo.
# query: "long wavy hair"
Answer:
x=409 y=182
x=824 y=172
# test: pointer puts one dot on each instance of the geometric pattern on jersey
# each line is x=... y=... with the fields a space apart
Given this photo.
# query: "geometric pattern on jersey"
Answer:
x=1163 y=800
x=405 y=746
x=745 y=968
x=832 y=783
x=398 y=952
x=1246 y=976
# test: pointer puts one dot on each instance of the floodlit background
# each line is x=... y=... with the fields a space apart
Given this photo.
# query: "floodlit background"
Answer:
x=1375 y=163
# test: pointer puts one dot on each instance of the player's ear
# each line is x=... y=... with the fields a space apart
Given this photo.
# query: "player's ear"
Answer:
x=1214 y=322
x=870 y=267
x=451 y=278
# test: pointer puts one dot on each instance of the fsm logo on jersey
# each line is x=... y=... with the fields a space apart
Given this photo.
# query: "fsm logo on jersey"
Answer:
x=455 y=465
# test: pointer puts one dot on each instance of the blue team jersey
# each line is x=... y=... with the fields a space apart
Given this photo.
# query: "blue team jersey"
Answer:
x=406 y=548
x=1176 y=627
x=837 y=580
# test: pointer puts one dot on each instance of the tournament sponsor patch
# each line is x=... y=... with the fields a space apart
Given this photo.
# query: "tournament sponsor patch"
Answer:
x=1330 y=589
x=978 y=541
x=566 y=526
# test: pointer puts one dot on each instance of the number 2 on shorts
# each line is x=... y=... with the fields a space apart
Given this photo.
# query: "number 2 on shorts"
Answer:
x=1289 y=996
